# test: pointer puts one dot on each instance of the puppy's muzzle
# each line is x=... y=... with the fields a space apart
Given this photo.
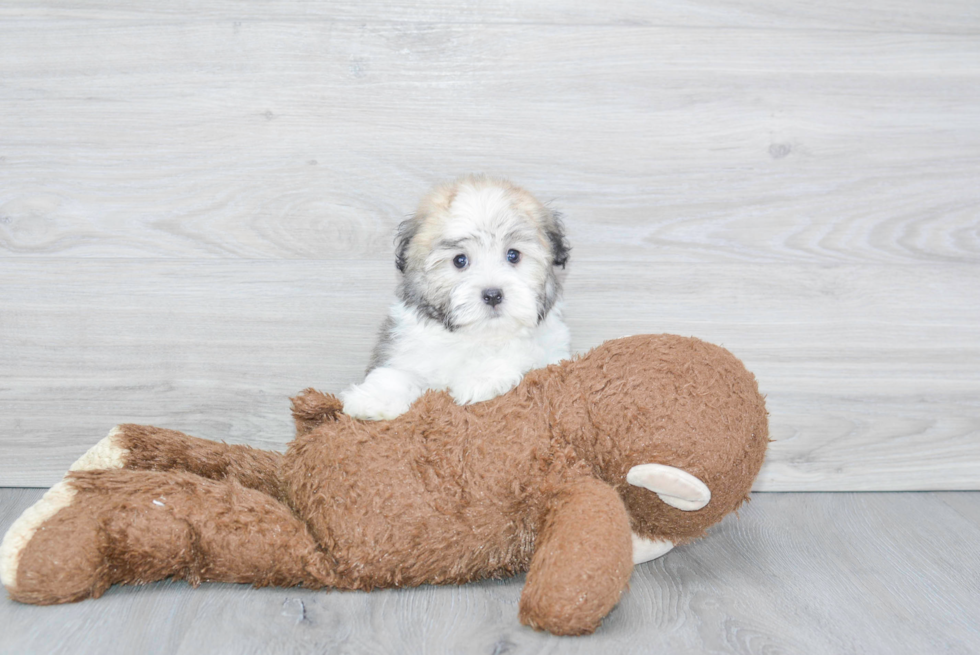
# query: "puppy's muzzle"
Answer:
x=493 y=297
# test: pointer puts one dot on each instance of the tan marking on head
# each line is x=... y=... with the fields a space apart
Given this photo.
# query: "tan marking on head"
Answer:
x=435 y=211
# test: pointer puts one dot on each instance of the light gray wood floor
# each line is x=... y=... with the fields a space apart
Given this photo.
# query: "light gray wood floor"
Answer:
x=793 y=573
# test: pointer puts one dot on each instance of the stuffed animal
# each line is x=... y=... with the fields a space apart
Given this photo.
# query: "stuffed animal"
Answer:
x=584 y=467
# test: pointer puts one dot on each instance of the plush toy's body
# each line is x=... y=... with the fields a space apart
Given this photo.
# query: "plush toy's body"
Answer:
x=535 y=480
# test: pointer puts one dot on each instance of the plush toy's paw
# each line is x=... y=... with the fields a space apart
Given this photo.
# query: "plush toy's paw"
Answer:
x=22 y=531
x=645 y=549
x=312 y=408
x=675 y=487
x=107 y=454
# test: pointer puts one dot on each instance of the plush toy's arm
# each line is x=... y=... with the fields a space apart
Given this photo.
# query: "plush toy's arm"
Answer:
x=141 y=447
x=311 y=408
x=582 y=560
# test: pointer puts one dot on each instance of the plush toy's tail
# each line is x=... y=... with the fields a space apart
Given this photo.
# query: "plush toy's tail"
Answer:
x=312 y=408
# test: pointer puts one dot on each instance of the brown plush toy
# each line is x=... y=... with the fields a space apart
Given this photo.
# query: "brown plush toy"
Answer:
x=585 y=466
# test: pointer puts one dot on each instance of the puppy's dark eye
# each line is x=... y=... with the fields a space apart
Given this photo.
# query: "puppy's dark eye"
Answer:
x=460 y=261
x=513 y=256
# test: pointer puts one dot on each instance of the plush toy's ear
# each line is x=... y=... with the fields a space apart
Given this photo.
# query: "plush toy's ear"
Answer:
x=311 y=408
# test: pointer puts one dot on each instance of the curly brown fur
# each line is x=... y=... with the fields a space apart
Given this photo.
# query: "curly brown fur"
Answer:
x=158 y=449
x=582 y=560
x=311 y=408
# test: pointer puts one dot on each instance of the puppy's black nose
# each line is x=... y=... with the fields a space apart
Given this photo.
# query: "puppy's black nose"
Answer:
x=493 y=297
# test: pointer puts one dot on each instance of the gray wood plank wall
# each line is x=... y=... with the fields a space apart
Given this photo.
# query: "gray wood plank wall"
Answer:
x=197 y=204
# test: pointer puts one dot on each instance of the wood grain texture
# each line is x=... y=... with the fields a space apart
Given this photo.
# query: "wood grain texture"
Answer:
x=209 y=136
x=793 y=573
x=870 y=372
x=197 y=205
x=946 y=16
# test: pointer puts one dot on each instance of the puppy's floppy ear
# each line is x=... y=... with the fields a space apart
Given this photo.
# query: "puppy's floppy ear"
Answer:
x=407 y=230
x=555 y=230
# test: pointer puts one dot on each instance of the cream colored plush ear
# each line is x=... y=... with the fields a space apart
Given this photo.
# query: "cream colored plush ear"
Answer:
x=675 y=487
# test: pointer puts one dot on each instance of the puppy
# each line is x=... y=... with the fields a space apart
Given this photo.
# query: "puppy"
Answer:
x=481 y=266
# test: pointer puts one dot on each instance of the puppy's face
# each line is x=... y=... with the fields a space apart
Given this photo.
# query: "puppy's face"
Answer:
x=481 y=252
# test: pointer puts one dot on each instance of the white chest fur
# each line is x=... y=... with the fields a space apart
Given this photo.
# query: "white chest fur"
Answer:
x=474 y=364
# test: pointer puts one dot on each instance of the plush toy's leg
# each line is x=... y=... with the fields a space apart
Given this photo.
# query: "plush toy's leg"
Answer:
x=100 y=528
x=141 y=447
x=582 y=560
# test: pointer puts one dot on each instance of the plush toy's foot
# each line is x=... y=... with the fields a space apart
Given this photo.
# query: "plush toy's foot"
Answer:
x=106 y=454
x=99 y=528
x=109 y=453
x=22 y=531
x=675 y=487
x=645 y=550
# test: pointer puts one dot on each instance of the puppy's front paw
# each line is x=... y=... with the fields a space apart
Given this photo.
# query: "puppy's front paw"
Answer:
x=362 y=404
x=478 y=390
x=384 y=394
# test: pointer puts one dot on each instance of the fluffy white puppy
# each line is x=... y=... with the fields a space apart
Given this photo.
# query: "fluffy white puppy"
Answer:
x=481 y=265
